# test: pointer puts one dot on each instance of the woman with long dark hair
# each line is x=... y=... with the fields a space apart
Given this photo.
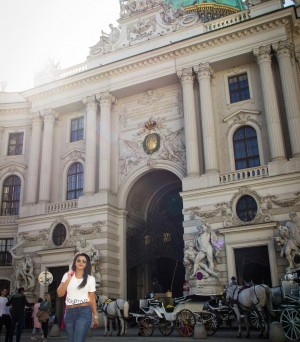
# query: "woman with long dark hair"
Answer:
x=80 y=288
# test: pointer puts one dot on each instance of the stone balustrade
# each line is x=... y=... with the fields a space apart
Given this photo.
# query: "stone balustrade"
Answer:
x=226 y=21
x=244 y=174
x=8 y=219
x=76 y=69
x=61 y=206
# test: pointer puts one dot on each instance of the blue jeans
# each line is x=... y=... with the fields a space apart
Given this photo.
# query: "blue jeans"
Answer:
x=20 y=320
x=77 y=322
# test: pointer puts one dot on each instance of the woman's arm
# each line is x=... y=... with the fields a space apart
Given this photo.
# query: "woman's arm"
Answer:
x=62 y=288
x=92 y=300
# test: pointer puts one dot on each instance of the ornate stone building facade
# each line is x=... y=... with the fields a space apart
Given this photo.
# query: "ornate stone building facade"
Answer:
x=174 y=150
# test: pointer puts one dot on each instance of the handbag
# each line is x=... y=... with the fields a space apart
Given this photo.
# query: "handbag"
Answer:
x=43 y=316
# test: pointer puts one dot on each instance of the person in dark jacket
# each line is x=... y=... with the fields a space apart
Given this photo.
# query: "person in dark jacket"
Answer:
x=17 y=301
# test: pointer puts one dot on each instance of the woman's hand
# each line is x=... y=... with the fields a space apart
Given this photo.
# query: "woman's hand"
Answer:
x=95 y=321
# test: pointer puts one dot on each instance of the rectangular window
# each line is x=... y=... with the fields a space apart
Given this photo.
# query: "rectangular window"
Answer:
x=77 y=127
x=238 y=88
x=15 y=144
x=5 y=256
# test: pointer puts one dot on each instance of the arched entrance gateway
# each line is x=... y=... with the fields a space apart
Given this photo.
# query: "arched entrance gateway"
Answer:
x=155 y=235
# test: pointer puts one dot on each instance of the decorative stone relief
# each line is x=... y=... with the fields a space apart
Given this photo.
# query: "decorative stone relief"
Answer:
x=288 y=240
x=229 y=210
x=269 y=201
x=138 y=150
x=141 y=29
x=24 y=276
x=234 y=220
x=242 y=117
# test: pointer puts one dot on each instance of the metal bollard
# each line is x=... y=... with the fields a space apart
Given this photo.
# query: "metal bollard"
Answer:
x=199 y=331
x=276 y=333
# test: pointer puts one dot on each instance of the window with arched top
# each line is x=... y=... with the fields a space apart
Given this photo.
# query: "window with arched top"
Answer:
x=11 y=196
x=75 y=181
x=246 y=208
x=59 y=234
x=245 y=146
x=5 y=284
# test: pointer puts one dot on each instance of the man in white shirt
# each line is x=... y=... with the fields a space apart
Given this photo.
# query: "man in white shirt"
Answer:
x=5 y=318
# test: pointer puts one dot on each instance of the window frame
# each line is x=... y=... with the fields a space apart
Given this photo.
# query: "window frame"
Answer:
x=12 y=201
x=246 y=158
x=6 y=252
x=76 y=190
x=234 y=73
x=8 y=143
x=81 y=117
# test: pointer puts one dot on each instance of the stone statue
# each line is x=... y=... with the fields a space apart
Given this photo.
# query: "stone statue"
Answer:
x=290 y=247
x=207 y=250
x=113 y=36
x=189 y=256
x=24 y=276
x=83 y=246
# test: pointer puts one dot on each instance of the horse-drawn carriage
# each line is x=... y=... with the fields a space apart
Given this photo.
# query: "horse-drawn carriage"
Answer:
x=261 y=304
x=183 y=316
x=286 y=300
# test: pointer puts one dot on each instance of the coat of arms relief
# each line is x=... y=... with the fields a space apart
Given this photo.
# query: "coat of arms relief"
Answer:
x=154 y=141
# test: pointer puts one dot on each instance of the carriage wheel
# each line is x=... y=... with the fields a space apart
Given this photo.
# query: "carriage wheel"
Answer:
x=290 y=320
x=146 y=326
x=166 y=328
x=210 y=321
x=185 y=323
x=256 y=321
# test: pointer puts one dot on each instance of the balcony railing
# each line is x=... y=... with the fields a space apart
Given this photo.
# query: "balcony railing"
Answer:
x=244 y=174
x=226 y=21
x=8 y=219
x=61 y=206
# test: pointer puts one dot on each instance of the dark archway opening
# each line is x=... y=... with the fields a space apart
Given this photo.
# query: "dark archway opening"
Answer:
x=155 y=235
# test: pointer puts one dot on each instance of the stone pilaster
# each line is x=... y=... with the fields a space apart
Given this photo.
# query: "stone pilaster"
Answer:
x=190 y=122
x=204 y=73
x=34 y=159
x=46 y=163
x=90 y=145
x=264 y=61
x=284 y=51
x=106 y=100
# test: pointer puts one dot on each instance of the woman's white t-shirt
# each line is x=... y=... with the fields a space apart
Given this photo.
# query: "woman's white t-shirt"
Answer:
x=75 y=295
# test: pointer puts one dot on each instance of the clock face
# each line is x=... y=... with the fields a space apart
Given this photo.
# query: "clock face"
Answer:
x=151 y=143
x=45 y=278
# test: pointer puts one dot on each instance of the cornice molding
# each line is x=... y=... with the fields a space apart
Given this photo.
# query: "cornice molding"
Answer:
x=224 y=37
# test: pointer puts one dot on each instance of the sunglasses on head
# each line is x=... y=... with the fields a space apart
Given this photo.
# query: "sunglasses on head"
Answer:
x=81 y=260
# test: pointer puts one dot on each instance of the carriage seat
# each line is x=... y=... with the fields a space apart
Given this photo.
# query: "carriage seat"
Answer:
x=155 y=303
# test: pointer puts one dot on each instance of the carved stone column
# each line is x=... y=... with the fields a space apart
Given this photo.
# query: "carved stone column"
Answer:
x=263 y=58
x=34 y=159
x=190 y=122
x=46 y=163
x=90 y=145
x=106 y=100
x=204 y=73
x=284 y=52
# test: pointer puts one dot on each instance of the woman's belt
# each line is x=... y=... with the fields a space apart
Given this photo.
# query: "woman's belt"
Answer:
x=73 y=306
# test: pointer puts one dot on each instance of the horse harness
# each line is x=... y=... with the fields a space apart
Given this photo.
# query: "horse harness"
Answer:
x=238 y=291
x=105 y=305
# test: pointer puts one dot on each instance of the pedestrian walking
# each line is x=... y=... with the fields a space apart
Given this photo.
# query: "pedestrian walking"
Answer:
x=18 y=301
x=80 y=288
x=5 y=318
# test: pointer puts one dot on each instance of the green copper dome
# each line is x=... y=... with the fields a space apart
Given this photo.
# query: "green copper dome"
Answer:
x=238 y=4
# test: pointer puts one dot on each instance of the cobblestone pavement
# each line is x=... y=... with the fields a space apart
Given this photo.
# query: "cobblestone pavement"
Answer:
x=225 y=334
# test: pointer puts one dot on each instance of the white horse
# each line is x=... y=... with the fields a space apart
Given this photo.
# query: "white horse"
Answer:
x=247 y=299
x=113 y=309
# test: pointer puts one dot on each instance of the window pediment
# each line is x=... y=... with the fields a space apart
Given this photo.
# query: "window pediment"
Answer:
x=242 y=117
